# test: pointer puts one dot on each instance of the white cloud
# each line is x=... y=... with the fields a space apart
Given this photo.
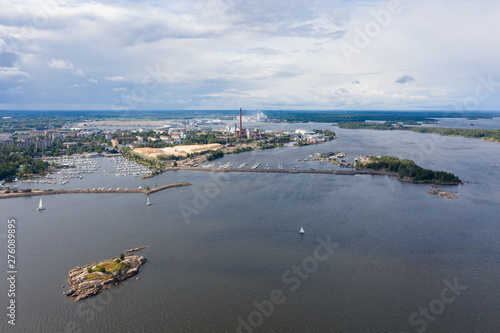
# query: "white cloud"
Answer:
x=80 y=72
x=115 y=78
x=13 y=75
x=60 y=64
x=266 y=54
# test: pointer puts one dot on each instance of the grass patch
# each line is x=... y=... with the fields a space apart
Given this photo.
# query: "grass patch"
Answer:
x=93 y=277
x=111 y=266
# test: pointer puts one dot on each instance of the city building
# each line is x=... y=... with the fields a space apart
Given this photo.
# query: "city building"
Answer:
x=43 y=144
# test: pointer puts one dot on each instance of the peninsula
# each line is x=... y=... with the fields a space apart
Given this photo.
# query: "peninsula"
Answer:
x=408 y=170
x=95 y=277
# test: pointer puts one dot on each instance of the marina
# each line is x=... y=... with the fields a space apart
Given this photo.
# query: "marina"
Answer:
x=124 y=167
x=76 y=167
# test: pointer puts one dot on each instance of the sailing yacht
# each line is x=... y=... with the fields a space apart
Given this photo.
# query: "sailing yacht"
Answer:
x=147 y=202
x=40 y=206
x=302 y=231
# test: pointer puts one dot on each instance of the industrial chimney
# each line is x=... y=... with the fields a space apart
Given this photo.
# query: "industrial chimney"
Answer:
x=241 y=124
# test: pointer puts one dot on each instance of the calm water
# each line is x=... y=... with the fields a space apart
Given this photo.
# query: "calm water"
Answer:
x=225 y=243
x=493 y=123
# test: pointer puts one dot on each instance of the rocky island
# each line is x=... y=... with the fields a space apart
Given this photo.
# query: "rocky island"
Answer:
x=96 y=277
x=442 y=194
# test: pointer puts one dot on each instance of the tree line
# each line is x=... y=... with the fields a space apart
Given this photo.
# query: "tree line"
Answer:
x=464 y=132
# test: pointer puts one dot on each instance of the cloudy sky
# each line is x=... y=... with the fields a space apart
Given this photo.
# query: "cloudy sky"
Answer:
x=255 y=54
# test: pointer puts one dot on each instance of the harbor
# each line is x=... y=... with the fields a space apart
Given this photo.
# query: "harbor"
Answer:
x=65 y=169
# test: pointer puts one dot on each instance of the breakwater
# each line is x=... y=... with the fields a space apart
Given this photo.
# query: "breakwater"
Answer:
x=328 y=172
x=34 y=193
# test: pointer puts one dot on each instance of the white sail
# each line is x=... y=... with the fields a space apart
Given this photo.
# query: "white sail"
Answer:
x=147 y=202
x=301 y=230
x=40 y=206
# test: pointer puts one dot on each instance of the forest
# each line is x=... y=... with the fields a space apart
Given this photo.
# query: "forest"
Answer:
x=16 y=161
x=493 y=135
x=362 y=116
x=409 y=169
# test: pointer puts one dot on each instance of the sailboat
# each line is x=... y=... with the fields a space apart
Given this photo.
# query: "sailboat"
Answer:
x=147 y=202
x=302 y=231
x=40 y=206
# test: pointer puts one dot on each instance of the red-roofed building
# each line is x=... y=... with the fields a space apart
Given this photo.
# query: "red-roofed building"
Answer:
x=165 y=138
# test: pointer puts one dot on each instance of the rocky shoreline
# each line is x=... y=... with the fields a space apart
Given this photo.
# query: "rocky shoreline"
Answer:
x=95 y=277
x=442 y=194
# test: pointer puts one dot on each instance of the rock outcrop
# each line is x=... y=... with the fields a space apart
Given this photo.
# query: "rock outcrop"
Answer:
x=96 y=277
x=136 y=249
x=442 y=194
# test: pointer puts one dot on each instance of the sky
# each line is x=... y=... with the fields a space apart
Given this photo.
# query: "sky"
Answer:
x=254 y=54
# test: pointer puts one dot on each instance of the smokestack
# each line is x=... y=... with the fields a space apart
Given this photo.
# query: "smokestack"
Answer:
x=241 y=128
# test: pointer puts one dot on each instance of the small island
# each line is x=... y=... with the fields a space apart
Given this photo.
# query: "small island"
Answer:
x=442 y=194
x=96 y=277
x=408 y=170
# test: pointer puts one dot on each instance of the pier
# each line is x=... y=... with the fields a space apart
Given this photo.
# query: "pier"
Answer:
x=35 y=193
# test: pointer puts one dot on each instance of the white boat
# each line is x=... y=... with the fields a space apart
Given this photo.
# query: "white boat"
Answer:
x=147 y=202
x=40 y=206
x=302 y=231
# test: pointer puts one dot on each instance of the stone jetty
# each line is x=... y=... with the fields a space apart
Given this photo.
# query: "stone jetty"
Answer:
x=327 y=172
x=34 y=193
